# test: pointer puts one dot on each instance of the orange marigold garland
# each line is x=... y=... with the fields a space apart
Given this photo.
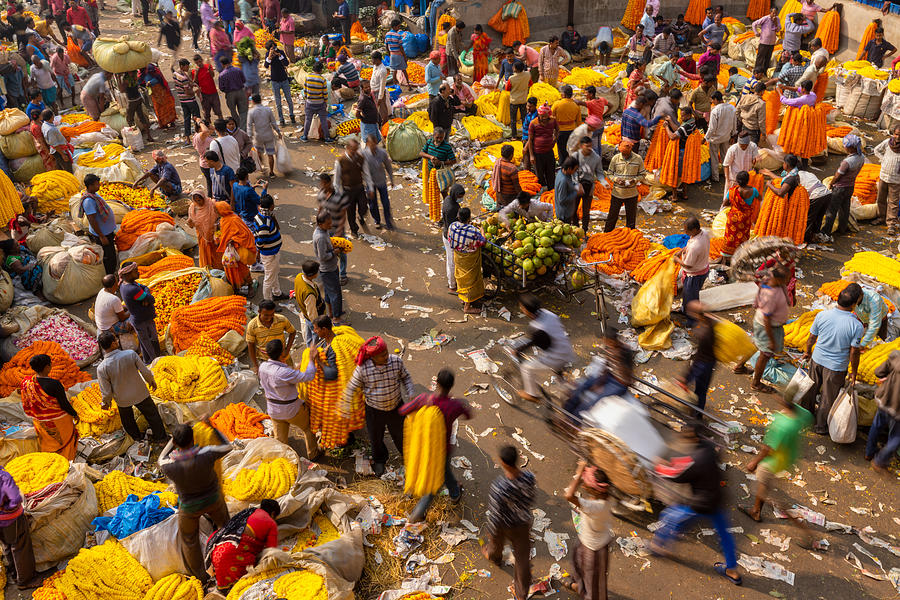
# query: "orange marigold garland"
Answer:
x=757 y=9
x=784 y=217
x=138 y=222
x=633 y=13
x=652 y=265
x=622 y=249
x=829 y=30
x=657 y=148
x=63 y=368
x=175 y=262
x=239 y=421
x=803 y=131
x=773 y=110
x=690 y=164
x=668 y=172
x=696 y=11
x=867 y=36
x=866 y=187
x=214 y=316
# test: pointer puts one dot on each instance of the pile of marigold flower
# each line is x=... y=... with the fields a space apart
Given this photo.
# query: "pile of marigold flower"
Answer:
x=104 y=572
x=109 y=156
x=301 y=585
x=188 y=379
x=167 y=264
x=36 y=470
x=214 y=316
x=139 y=222
x=116 y=486
x=877 y=266
x=139 y=197
x=272 y=479
x=321 y=531
x=176 y=587
x=239 y=421
x=63 y=368
x=621 y=250
x=172 y=294
x=94 y=420
x=206 y=346
x=248 y=581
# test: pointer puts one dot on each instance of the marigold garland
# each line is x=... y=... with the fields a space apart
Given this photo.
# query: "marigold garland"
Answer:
x=94 y=420
x=789 y=7
x=773 y=110
x=668 y=170
x=796 y=333
x=167 y=264
x=803 y=131
x=696 y=11
x=36 y=470
x=116 y=486
x=172 y=294
x=867 y=36
x=63 y=368
x=73 y=131
x=139 y=197
x=176 y=587
x=188 y=379
x=321 y=531
x=239 y=421
x=866 y=187
x=107 y=157
x=882 y=268
x=784 y=217
x=829 y=31
x=272 y=479
x=206 y=346
x=214 y=316
x=138 y=222
x=622 y=249
x=690 y=168
x=873 y=358
x=48 y=590
x=247 y=581
x=833 y=288
x=301 y=585
x=633 y=13
x=651 y=266
x=657 y=149
x=757 y=9
x=106 y=571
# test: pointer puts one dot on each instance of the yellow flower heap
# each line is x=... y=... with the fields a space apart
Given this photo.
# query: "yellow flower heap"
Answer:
x=420 y=118
x=874 y=358
x=188 y=379
x=172 y=294
x=104 y=572
x=37 y=470
x=271 y=479
x=139 y=197
x=481 y=129
x=176 y=587
x=796 y=333
x=206 y=346
x=877 y=266
x=544 y=92
x=301 y=585
x=74 y=118
x=107 y=157
x=94 y=420
x=116 y=486
x=56 y=185
x=321 y=531
x=247 y=581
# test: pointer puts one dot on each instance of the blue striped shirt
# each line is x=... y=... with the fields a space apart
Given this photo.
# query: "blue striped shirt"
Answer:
x=348 y=71
x=267 y=233
x=392 y=40
x=315 y=88
x=633 y=120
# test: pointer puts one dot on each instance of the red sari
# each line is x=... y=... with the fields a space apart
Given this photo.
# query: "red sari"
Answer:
x=740 y=220
x=480 y=45
x=54 y=426
x=232 y=556
x=43 y=148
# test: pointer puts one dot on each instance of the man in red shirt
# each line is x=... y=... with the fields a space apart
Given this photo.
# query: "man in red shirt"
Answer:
x=77 y=15
x=205 y=79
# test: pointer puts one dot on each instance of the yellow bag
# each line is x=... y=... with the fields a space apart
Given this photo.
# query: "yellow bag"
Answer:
x=11 y=120
x=719 y=223
x=121 y=55
x=657 y=337
x=653 y=302
x=732 y=343
x=18 y=145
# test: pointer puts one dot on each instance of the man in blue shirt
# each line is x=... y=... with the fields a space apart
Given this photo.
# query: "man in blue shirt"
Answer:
x=221 y=178
x=141 y=306
x=836 y=335
x=433 y=75
x=101 y=221
x=34 y=104
x=164 y=175
x=633 y=120
x=566 y=190
x=246 y=200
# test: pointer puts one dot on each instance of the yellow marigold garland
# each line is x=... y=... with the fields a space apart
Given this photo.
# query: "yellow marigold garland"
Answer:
x=36 y=470
x=188 y=379
x=481 y=129
x=94 y=420
x=206 y=346
x=873 y=358
x=877 y=266
x=272 y=479
x=104 y=572
x=301 y=585
x=116 y=486
x=48 y=590
x=796 y=333
x=245 y=582
x=176 y=587
x=342 y=244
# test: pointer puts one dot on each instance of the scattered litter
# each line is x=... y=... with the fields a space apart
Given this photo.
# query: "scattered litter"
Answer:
x=540 y=522
x=455 y=535
x=385 y=297
x=782 y=543
x=820 y=449
x=633 y=547
x=483 y=364
x=526 y=444
x=556 y=544
x=409 y=538
x=757 y=565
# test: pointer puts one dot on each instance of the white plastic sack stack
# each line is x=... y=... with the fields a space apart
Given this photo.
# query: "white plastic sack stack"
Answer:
x=80 y=272
x=48 y=234
x=126 y=169
x=730 y=295
x=858 y=96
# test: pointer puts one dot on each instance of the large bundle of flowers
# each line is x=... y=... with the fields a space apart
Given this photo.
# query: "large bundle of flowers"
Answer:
x=104 y=572
x=784 y=217
x=796 y=333
x=756 y=9
x=545 y=93
x=73 y=131
x=696 y=11
x=188 y=379
x=481 y=129
x=167 y=264
x=62 y=329
x=879 y=267
x=239 y=421
x=830 y=31
x=172 y=294
x=94 y=420
x=866 y=187
x=54 y=185
x=301 y=585
x=874 y=358
x=622 y=249
x=272 y=479
x=36 y=470
x=139 y=197
x=176 y=587
x=803 y=131
x=206 y=346
x=652 y=265
x=214 y=316
x=138 y=222
x=63 y=368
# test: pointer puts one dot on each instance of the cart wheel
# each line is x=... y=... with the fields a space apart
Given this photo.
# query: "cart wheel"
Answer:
x=507 y=383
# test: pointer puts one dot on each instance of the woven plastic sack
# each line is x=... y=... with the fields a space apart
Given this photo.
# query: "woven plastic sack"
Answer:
x=79 y=281
x=282 y=159
x=119 y=210
x=11 y=120
x=157 y=548
x=121 y=55
x=404 y=141
x=28 y=168
x=732 y=343
x=842 y=418
x=6 y=291
x=47 y=234
x=17 y=145
x=60 y=519
x=115 y=119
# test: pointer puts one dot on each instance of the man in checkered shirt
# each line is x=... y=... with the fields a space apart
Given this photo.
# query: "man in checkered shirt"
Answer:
x=382 y=377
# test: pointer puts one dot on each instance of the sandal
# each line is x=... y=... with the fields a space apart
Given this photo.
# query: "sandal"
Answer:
x=763 y=388
x=741 y=370
x=723 y=571
x=747 y=511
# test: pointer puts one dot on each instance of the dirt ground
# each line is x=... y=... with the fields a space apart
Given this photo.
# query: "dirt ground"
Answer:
x=831 y=479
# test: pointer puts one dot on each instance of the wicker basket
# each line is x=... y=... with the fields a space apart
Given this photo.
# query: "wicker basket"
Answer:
x=753 y=253
x=621 y=465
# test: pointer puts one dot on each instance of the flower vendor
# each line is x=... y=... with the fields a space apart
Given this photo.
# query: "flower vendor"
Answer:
x=141 y=306
x=626 y=171
x=193 y=471
x=44 y=400
x=202 y=216
x=694 y=262
x=164 y=176
x=237 y=247
x=109 y=312
x=279 y=383
x=16 y=536
x=234 y=548
x=124 y=378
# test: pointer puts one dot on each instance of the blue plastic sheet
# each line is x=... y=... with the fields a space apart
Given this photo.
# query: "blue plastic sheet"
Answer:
x=410 y=45
x=776 y=371
x=676 y=240
x=133 y=515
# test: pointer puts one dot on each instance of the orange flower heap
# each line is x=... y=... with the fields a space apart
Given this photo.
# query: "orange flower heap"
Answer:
x=239 y=421
x=63 y=368
x=621 y=250
x=206 y=346
x=175 y=262
x=803 y=131
x=138 y=222
x=633 y=13
x=866 y=187
x=690 y=167
x=784 y=217
x=830 y=31
x=214 y=316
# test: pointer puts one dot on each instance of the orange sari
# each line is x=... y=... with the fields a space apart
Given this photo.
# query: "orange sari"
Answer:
x=234 y=233
x=480 y=45
x=55 y=427
x=740 y=220
x=204 y=218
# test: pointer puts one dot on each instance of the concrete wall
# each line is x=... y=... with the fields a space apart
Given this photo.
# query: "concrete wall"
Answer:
x=547 y=17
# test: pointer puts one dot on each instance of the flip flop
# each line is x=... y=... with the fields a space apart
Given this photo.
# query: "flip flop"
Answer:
x=723 y=571
x=746 y=511
x=764 y=389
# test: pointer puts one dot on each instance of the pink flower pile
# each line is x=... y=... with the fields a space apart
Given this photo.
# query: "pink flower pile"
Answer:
x=63 y=330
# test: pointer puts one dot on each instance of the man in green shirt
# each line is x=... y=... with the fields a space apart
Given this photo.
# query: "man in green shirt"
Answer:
x=778 y=453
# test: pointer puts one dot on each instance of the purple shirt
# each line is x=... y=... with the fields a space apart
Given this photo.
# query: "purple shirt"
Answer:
x=804 y=100
x=10 y=498
x=450 y=407
x=231 y=79
x=766 y=29
x=279 y=384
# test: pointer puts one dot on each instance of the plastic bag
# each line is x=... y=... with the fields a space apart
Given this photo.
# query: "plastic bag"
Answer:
x=11 y=120
x=718 y=225
x=657 y=336
x=797 y=387
x=404 y=141
x=282 y=159
x=653 y=302
x=131 y=137
x=730 y=295
x=732 y=344
x=133 y=515
x=157 y=548
x=28 y=168
x=60 y=519
x=842 y=417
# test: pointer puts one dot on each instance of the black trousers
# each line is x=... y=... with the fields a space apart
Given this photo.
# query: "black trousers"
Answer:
x=817 y=208
x=110 y=254
x=16 y=538
x=545 y=169
x=763 y=56
x=514 y=111
x=562 y=141
x=615 y=205
x=195 y=24
x=376 y=422
x=150 y=412
x=357 y=203
x=838 y=208
x=189 y=110
x=585 y=201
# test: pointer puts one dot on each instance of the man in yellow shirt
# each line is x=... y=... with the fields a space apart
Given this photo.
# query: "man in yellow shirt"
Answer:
x=568 y=117
x=268 y=326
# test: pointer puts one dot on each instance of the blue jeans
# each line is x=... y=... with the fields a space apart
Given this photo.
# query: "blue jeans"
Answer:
x=280 y=88
x=331 y=284
x=882 y=420
x=701 y=374
x=690 y=291
x=677 y=517
x=418 y=513
x=66 y=84
x=382 y=191
x=370 y=129
x=342 y=257
x=309 y=334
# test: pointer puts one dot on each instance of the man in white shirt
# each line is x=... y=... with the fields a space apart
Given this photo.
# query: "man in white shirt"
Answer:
x=226 y=146
x=740 y=157
x=109 y=312
x=524 y=206
x=591 y=552
x=548 y=336
x=819 y=199
x=378 y=81
x=722 y=124
x=649 y=23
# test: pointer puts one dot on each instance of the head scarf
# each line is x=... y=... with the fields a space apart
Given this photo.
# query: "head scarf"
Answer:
x=625 y=146
x=851 y=140
x=203 y=215
x=594 y=122
x=198 y=192
x=544 y=110
x=129 y=267
x=223 y=208
x=589 y=480
x=373 y=347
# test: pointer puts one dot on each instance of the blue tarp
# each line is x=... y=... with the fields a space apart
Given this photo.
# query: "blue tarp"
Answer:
x=410 y=45
x=676 y=240
x=133 y=515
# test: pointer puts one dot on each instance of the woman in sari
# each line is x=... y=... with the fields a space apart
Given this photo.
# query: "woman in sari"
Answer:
x=236 y=547
x=19 y=262
x=480 y=45
x=466 y=241
x=637 y=82
x=40 y=142
x=44 y=400
x=740 y=218
x=202 y=216
x=163 y=101
x=237 y=247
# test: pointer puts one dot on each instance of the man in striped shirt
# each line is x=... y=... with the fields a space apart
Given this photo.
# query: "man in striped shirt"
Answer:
x=316 y=90
x=186 y=90
x=393 y=40
x=268 y=242
x=346 y=75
